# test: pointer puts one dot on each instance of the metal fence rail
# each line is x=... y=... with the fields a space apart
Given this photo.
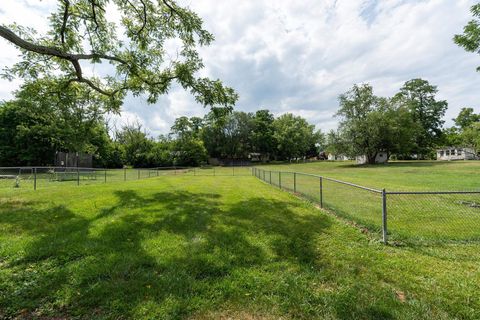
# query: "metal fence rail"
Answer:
x=423 y=216
x=407 y=216
x=43 y=177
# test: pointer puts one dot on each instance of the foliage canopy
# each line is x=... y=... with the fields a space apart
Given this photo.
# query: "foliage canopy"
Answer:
x=132 y=50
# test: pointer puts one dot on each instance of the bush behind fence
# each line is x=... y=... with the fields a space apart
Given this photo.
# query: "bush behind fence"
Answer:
x=398 y=216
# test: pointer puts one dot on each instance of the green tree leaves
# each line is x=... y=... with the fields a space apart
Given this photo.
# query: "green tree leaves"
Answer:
x=418 y=96
x=82 y=32
x=294 y=136
x=466 y=117
x=470 y=38
x=43 y=119
x=409 y=124
x=466 y=132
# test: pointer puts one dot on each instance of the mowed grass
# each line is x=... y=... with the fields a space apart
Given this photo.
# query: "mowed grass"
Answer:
x=411 y=218
x=182 y=247
x=396 y=175
x=46 y=178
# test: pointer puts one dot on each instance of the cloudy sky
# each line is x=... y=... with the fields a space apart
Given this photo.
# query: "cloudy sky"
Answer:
x=298 y=56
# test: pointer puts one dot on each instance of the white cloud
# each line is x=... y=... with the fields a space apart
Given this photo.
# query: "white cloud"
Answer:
x=298 y=56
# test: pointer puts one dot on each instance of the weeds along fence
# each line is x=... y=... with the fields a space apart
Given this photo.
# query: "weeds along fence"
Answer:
x=428 y=216
x=43 y=177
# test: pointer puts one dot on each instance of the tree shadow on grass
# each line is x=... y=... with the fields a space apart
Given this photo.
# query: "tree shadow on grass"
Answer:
x=168 y=255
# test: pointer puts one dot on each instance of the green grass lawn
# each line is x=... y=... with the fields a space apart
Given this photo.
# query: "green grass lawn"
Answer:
x=397 y=175
x=46 y=178
x=411 y=218
x=183 y=247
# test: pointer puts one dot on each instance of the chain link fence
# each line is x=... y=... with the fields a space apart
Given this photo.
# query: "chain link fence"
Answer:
x=393 y=215
x=396 y=216
x=43 y=177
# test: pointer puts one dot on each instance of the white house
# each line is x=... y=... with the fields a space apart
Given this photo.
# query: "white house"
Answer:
x=381 y=157
x=337 y=157
x=456 y=153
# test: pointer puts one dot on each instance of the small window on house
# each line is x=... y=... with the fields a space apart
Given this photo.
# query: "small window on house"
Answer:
x=452 y=152
x=459 y=152
x=442 y=153
x=447 y=152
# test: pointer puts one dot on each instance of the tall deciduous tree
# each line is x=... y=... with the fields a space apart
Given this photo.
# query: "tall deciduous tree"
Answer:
x=418 y=96
x=294 y=136
x=262 y=136
x=227 y=135
x=466 y=132
x=370 y=124
x=470 y=38
x=238 y=129
x=212 y=134
x=136 y=143
x=362 y=123
x=466 y=117
x=81 y=33
x=188 y=148
x=185 y=127
x=471 y=136
x=42 y=120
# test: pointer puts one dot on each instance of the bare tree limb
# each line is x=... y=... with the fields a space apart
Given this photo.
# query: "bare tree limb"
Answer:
x=64 y=23
x=143 y=16
x=171 y=8
x=94 y=15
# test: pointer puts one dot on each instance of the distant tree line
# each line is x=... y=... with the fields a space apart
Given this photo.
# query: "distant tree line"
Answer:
x=408 y=125
x=59 y=109
x=42 y=120
x=221 y=134
x=466 y=131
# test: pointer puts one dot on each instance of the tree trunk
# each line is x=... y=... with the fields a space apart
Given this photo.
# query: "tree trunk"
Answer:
x=371 y=158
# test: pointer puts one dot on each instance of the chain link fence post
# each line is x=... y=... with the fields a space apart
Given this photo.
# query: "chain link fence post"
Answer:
x=321 y=192
x=124 y=174
x=295 y=182
x=384 y=216
x=270 y=177
x=105 y=175
x=78 y=176
x=35 y=179
x=280 y=179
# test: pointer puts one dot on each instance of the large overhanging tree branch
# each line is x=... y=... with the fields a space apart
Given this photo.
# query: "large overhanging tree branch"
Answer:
x=470 y=38
x=134 y=47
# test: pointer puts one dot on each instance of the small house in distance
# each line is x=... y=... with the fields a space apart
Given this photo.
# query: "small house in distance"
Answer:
x=337 y=157
x=456 y=153
x=381 y=157
x=255 y=156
